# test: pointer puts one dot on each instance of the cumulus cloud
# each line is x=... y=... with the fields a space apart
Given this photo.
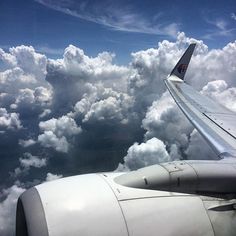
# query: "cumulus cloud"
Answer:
x=56 y=132
x=219 y=91
x=45 y=113
x=151 y=66
x=139 y=155
x=165 y=121
x=95 y=112
x=9 y=120
x=29 y=61
x=51 y=177
x=32 y=101
x=32 y=161
x=100 y=103
x=49 y=139
x=26 y=143
x=76 y=63
x=64 y=126
x=22 y=65
x=26 y=162
x=72 y=76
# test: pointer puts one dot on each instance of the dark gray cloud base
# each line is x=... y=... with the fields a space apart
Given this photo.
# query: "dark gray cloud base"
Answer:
x=80 y=114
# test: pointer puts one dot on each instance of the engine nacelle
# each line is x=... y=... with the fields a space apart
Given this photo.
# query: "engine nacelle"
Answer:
x=95 y=204
x=80 y=205
x=194 y=177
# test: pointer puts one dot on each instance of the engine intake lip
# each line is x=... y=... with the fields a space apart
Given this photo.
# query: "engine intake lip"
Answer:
x=30 y=216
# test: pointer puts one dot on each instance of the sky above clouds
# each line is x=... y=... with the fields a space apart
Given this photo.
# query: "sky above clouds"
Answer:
x=81 y=86
x=95 y=26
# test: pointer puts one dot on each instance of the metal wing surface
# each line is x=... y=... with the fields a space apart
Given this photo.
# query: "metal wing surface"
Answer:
x=214 y=122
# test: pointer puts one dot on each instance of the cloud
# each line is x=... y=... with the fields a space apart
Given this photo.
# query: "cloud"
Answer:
x=22 y=80
x=113 y=16
x=62 y=126
x=165 y=121
x=76 y=75
x=51 y=177
x=29 y=61
x=101 y=104
x=26 y=143
x=28 y=99
x=49 y=139
x=26 y=162
x=32 y=161
x=198 y=149
x=56 y=132
x=151 y=66
x=8 y=209
x=9 y=120
x=220 y=28
x=218 y=90
x=233 y=16
x=151 y=152
x=80 y=114
x=45 y=113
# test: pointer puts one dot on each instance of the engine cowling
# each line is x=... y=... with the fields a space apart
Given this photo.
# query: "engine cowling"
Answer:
x=80 y=205
x=96 y=204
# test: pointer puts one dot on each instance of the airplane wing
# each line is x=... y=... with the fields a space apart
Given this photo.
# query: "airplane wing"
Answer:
x=213 y=121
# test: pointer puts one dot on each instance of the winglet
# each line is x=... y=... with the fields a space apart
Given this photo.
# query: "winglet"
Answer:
x=182 y=65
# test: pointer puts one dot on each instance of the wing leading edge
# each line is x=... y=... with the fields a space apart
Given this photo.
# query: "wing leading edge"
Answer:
x=213 y=121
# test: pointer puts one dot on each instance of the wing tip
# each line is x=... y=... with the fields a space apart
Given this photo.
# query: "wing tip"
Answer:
x=182 y=65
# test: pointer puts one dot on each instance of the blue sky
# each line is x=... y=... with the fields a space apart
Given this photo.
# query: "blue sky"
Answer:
x=121 y=27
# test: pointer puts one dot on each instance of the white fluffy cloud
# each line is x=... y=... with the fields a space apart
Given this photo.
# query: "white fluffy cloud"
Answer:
x=22 y=65
x=219 y=91
x=9 y=120
x=100 y=103
x=24 y=92
x=139 y=155
x=26 y=162
x=50 y=140
x=32 y=161
x=56 y=132
x=151 y=66
x=64 y=126
x=51 y=177
x=26 y=143
x=49 y=102
x=216 y=64
x=28 y=60
x=165 y=121
x=75 y=65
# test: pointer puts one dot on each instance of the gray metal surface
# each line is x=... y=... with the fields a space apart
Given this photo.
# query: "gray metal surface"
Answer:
x=184 y=177
x=31 y=210
x=215 y=123
x=198 y=109
x=170 y=216
x=81 y=205
x=222 y=216
x=227 y=121
x=182 y=65
x=95 y=204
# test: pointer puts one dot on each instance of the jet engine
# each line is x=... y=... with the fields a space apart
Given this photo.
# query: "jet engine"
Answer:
x=97 y=204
